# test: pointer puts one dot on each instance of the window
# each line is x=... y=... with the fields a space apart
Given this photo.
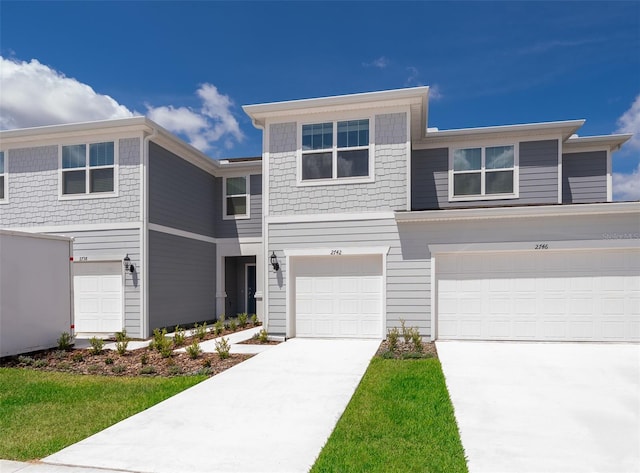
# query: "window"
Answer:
x=335 y=150
x=88 y=169
x=488 y=171
x=3 y=177
x=236 y=197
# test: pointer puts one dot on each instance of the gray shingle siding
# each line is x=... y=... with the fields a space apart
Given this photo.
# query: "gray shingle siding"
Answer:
x=181 y=195
x=33 y=190
x=538 y=162
x=182 y=280
x=250 y=227
x=387 y=192
x=584 y=177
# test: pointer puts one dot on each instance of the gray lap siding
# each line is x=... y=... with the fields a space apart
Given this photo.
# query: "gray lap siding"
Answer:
x=584 y=177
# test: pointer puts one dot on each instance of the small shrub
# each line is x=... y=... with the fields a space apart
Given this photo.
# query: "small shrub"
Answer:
x=77 y=357
x=263 y=336
x=194 y=350
x=412 y=355
x=40 y=363
x=144 y=359
x=25 y=360
x=162 y=343
x=392 y=338
x=108 y=361
x=254 y=320
x=233 y=325
x=175 y=370
x=97 y=344
x=206 y=363
x=59 y=354
x=64 y=365
x=200 y=331
x=178 y=336
x=242 y=320
x=65 y=341
x=387 y=355
x=416 y=340
x=148 y=369
x=167 y=349
x=223 y=348
x=122 y=342
x=406 y=333
x=218 y=327
x=222 y=318
x=93 y=369
x=204 y=371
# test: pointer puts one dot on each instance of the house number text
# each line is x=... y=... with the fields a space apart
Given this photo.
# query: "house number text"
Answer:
x=542 y=246
x=83 y=258
x=336 y=252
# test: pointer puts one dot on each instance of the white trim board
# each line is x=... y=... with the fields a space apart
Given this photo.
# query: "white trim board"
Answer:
x=333 y=217
x=87 y=227
x=344 y=251
x=552 y=245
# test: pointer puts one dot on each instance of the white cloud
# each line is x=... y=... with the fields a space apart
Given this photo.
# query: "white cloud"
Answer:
x=627 y=186
x=629 y=122
x=381 y=63
x=33 y=94
x=434 y=92
x=203 y=127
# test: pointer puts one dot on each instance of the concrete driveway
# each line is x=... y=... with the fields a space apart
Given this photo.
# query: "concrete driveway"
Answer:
x=272 y=413
x=546 y=407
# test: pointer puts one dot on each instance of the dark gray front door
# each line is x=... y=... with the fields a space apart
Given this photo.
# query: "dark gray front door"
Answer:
x=251 y=289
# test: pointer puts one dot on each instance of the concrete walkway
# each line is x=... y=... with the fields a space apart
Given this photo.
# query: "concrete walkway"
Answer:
x=271 y=413
x=545 y=407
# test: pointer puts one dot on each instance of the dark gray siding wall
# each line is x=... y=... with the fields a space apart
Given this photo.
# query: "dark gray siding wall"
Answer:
x=181 y=195
x=584 y=177
x=538 y=161
x=250 y=227
x=182 y=280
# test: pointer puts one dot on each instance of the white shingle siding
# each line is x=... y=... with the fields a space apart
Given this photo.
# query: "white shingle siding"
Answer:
x=387 y=192
x=33 y=181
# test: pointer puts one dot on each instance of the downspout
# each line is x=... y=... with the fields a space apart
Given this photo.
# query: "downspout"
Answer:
x=265 y=233
x=145 y=232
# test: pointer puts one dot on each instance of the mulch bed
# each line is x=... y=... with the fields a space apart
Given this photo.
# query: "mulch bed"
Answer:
x=407 y=350
x=140 y=362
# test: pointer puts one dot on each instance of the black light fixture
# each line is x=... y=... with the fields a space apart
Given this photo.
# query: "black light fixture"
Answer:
x=127 y=264
x=274 y=261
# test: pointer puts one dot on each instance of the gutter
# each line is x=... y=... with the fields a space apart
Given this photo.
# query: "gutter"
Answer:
x=144 y=191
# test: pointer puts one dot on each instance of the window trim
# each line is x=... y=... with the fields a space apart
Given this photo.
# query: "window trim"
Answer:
x=483 y=196
x=247 y=197
x=87 y=167
x=334 y=152
x=5 y=174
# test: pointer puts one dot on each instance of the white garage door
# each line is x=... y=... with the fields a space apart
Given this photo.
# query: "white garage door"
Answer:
x=338 y=296
x=98 y=297
x=539 y=295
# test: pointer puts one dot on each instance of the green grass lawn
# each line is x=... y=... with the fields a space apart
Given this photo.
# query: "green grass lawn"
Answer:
x=400 y=419
x=43 y=412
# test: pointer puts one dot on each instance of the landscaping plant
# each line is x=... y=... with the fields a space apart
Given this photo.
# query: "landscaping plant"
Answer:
x=97 y=344
x=218 y=327
x=242 y=320
x=233 y=325
x=223 y=348
x=392 y=338
x=65 y=341
x=178 y=336
x=254 y=320
x=122 y=342
x=194 y=350
x=200 y=331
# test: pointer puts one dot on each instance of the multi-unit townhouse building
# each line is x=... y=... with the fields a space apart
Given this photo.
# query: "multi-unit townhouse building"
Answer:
x=357 y=216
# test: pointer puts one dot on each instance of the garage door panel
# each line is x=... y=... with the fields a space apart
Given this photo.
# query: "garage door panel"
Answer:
x=338 y=296
x=554 y=295
x=98 y=297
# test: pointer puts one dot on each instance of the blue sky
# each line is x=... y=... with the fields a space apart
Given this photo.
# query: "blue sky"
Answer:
x=192 y=65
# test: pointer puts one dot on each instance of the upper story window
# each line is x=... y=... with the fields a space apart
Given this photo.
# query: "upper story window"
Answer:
x=335 y=150
x=236 y=197
x=487 y=172
x=3 y=177
x=88 y=169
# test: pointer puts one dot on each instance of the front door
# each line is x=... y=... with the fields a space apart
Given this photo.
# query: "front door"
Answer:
x=251 y=288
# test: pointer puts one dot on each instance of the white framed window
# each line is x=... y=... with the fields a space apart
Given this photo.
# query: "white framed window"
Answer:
x=488 y=172
x=4 y=178
x=236 y=197
x=88 y=170
x=335 y=151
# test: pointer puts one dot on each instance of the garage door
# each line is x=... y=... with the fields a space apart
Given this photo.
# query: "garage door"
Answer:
x=338 y=296
x=98 y=297
x=541 y=295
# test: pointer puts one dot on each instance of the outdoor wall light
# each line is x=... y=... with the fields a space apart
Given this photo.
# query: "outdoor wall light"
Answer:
x=128 y=266
x=274 y=261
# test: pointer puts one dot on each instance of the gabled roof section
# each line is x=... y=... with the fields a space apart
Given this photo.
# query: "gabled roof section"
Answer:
x=415 y=97
x=434 y=139
x=610 y=142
